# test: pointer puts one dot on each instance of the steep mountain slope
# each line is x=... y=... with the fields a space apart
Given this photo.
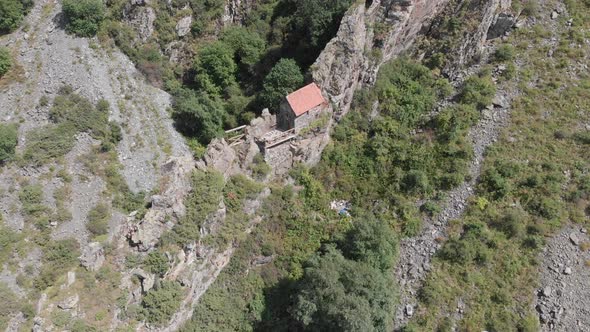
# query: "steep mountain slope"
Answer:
x=459 y=126
x=84 y=177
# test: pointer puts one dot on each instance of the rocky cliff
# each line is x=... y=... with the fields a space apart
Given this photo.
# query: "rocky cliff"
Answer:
x=369 y=36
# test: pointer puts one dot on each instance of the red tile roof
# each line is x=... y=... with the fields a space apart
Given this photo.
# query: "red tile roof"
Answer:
x=305 y=99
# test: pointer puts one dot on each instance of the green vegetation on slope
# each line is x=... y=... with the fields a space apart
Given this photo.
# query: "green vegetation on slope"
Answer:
x=8 y=141
x=315 y=266
x=70 y=114
x=5 y=60
x=236 y=72
x=83 y=17
x=12 y=13
x=535 y=180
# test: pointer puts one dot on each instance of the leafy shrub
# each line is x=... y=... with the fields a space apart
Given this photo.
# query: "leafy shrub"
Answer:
x=248 y=46
x=79 y=111
x=59 y=256
x=203 y=200
x=160 y=303
x=83 y=16
x=478 y=91
x=8 y=141
x=156 y=262
x=260 y=169
x=198 y=114
x=12 y=13
x=72 y=113
x=504 y=53
x=98 y=220
x=31 y=198
x=49 y=142
x=215 y=67
x=5 y=60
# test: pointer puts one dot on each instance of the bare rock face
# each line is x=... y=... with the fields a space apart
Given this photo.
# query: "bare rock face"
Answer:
x=141 y=18
x=345 y=64
x=93 y=256
x=147 y=279
x=183 y=27
x=219 y=156
x=501 y=25
x=69 y=303
x=234 y=10
x=166 y=206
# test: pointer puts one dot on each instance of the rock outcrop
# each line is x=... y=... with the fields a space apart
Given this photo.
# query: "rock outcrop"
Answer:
x=234 y=11
x=165 y=207
x=352 y=59
x=141 y=18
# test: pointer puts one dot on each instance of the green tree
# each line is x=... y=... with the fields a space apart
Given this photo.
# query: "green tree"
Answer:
x=198 y=114
x=283 y=79
x=8 y=141
x=83 y=16
x=12 y=13
x=337 y=294
x=215 y=67
x=372 y=242
x=5 y=60
x=248 y=46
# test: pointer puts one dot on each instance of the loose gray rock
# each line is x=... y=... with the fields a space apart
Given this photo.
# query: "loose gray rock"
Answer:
x=69 y=303
x=547 y=291
x=574 y=239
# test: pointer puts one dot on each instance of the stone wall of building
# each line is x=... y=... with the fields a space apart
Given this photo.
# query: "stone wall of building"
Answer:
x=304 y=120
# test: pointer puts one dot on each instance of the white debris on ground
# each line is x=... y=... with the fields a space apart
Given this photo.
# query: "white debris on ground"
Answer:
x=341 y=206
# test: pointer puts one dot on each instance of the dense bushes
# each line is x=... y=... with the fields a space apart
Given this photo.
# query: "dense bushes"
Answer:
x=352 y=289
x=58 y=257
x=5 y=60
x=83 y=16
x=8 y=141
x=12 y=13
x=160 y=303
x=198 y=114
x=215 y=68
x=478 y=91
x=156 y=262
x=98 y=220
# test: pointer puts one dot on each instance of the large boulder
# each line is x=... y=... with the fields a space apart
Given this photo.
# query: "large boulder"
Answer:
x=92 y=257
x=141 y=18
x=183 y=27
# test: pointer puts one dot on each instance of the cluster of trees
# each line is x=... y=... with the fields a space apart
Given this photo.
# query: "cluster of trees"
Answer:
x=246 y=69
x=83 y=17
x=349 y=286
x=12 y=13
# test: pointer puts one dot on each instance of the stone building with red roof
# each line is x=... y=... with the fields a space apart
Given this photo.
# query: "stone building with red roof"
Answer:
x=301 y=107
